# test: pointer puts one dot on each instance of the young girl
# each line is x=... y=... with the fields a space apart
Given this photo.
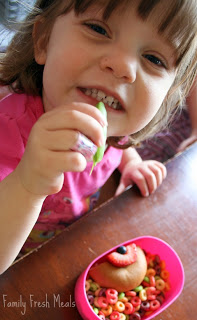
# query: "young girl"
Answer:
x=139 y=57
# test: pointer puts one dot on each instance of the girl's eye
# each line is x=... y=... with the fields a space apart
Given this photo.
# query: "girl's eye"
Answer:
x=155 y=60
x=97 y=28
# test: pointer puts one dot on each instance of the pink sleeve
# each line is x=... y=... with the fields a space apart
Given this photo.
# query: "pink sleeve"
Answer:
x=11 y=145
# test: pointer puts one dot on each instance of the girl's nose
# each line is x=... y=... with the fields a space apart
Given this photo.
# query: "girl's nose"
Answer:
x=121 y=66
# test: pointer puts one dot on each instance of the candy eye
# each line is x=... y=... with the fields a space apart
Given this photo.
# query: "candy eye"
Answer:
x=122 y=250
x=97 y=28
x=153 y=59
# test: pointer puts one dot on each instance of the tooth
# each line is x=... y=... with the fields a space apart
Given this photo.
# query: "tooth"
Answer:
x=116 y=100
x=88 y=92
x=101 y=94
x=105 y=100
x=109 y=103
x=110 y=99
x=114 y=105
x=94 y=90
x=94 y=95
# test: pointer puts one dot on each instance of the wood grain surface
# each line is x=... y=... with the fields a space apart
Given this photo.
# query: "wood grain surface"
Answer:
x=41 y=285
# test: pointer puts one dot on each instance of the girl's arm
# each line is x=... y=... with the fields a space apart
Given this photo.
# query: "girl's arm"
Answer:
x=19 y=211
x=147 y=175
x=48 y=154
x=192 y=109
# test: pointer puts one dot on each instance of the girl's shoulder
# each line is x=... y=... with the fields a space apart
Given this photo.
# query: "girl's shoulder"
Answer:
x=15 y=105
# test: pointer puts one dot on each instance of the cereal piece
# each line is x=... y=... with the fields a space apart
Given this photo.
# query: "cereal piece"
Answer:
x=136 y=301
x=128 y=308
x=107 y=311
x=154 y=305
x=102 y=302
x=160 y=284
x=165 y=274
x=143 y=295
x=119 y=306
x=135 y=316
x=115 y=315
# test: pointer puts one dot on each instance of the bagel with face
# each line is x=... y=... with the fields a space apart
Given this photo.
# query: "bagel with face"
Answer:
x=122 y=271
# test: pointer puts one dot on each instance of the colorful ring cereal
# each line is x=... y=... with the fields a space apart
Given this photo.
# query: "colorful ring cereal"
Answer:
x=119 y=306
x=111 y=295
x=115 y=315
x=96 y=310
x=129 y=309
x=138 y=289
x=94 y=286
x=135 y=316
x=154 y=305
x=145 y=305
x=125 y=299
x=123 y=316
x=165 y=274
x=130 y=293
x=102 y=302
x=136 y=301
x=102 y=292
x=152 y=281
x=87 y=285
x=121 y=295
x=151 y=272
x=151 y=293
x=107 y=311
x=96 y=302
x=162 y=264
x=143 y=295
x=90 y=298
x=160 y=284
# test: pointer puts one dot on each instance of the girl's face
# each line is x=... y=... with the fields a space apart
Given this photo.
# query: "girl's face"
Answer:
x=124 y=59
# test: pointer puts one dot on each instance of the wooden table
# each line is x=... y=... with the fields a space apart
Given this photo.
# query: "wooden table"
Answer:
x=41 y=285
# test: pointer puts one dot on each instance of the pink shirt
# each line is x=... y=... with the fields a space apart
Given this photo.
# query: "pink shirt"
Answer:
x=18 y=113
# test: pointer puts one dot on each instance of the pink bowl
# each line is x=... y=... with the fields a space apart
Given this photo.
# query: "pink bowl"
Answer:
x=152 y=245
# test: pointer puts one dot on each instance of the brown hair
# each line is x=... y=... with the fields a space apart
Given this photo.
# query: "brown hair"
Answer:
x=177 y=22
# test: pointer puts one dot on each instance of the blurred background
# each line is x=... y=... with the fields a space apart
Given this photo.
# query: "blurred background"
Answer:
x=11 y=12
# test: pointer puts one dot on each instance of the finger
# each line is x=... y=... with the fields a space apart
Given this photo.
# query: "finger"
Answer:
x=125 y=182
x=186 y=143
x=59 y=140
x=120 y=189
x=68 y=161
x=157 y=172
x=84 y=108
x=162 y=168
x=150 y=179
x=78 y=121
x=64 y=140
x=139 y=179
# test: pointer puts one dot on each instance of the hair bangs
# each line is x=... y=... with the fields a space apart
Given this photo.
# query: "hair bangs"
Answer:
x=108 y=6
x=174 y=19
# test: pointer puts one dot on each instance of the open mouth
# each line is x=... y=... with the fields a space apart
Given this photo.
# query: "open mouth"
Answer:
x=102 y=96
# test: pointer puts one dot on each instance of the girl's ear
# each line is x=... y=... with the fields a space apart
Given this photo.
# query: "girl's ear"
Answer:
x=40 y=42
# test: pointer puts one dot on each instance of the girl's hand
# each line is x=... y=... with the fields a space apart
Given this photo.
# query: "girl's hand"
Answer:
x=49 y=152
x=147 y=175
